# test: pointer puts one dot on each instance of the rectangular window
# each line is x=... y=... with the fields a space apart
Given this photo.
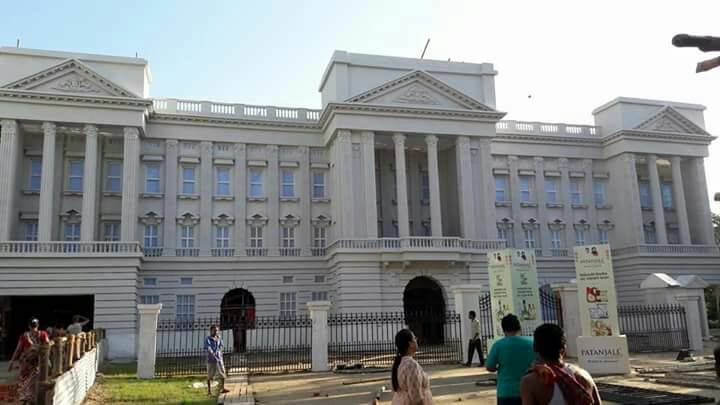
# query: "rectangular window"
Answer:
x=256 y=183
x=600 y=193
x=113 y=180
x=530 y=239
x=319 y=296
x=152 y=178
x=150 y=282
x=187 y=237
x=150 y=236
x=645 y=200
x=500 y=188
x=525 y=189
x=35 y=174
x=256 y=237
x=555 y=239
x=576 y=192
x=287 y=189
x=506 y=235
x=603 y=236
x=287 y=305
x=75 y=176
x=319 y=279
x=319 y=237
x=222 y=237
x=188 y=180
x=650 y=235
x=673 y=236
x=318 y=184
x=185 y=280
x=551 y=190
x=579 y=237
x=425 y=195
x=288 y=237
x=287 y=279
x=111 y=231
x=667 y=195
x=185 y=308
x=31 y=231
x=222 y=181
x=149 y=299
x=72 y=232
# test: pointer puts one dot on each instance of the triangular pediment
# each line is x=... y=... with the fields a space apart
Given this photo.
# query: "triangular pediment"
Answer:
x=419 y=89
x=668 y=119
x=70 y=77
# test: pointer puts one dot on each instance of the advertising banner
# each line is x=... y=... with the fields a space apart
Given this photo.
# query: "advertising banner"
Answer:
x=514 y=288
x=596 y=291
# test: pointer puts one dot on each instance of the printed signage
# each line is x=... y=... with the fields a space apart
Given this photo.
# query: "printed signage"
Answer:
x=514 y=288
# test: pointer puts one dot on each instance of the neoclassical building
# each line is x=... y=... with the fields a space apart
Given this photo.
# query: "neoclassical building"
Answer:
x=382 y=200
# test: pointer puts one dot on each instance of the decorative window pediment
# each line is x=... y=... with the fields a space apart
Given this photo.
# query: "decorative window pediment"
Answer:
x=71 y=217
x=668 y=119
x=649 y=226
x=151 y=218
x=530 y=224
x=321 y=221
x=290 y=220
x=505 y=223
x=606 y=225
x=557 y=225
x=188 y=219
x=257 y=220
x=223 y=220
x=582 y=225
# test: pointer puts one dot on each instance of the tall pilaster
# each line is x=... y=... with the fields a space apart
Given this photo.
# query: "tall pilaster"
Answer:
x=589 y=200
x=371 y=214
x=625 y=198
x=131 y=169
x=465 y=188
x=515 y=201
x=207 y=181
x=658 y=208
x=679 y=200
x=567 y=202
x=171 y=190
x=545 y=242
x=401 y=184
x=47 y=183
x=304 y=193
x=273 y=199
x=345 y=193
x=88 y=225
x=9 y=155
x=240 y=189
x=698 y=203
x=434 y=182
x=487 y=197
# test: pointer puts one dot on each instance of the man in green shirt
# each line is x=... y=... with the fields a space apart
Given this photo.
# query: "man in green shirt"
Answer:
x=511 y=357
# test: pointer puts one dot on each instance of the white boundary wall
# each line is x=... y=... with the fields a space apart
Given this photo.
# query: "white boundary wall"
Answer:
x=72 y=386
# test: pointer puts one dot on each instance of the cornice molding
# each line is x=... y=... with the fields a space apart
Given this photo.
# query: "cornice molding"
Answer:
x=98 y=101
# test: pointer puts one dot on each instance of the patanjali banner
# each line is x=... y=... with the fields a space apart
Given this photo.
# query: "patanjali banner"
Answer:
x=514 y=288
x=596 y=291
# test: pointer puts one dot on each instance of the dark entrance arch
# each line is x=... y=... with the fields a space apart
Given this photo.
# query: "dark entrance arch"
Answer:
x=237 y=312
x=424 y=307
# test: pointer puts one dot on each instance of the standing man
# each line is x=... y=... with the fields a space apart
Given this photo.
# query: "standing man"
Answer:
x=475 y=340
x=77 y=325
x=511 y=356
x=215 y=364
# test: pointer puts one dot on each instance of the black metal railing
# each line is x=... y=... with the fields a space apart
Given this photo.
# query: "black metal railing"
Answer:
x=260 y=345
x=654 y=328
x=368 y=339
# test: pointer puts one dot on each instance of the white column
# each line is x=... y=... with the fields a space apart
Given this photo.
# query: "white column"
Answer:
x=487 y=203
x=515 y=202
x=272 y=239
x=304 y=188
x=567 y=203
x=466 y=300
x=401 y=185
x=147 y=336
x=698 y=201
x=345 y=192
x=47 y=183
x=131 y=168
x=90 y=192
x=319 y=316
x=570 y=314
x=589 y=200
x=658 y=208
x=466 y=195
x=371 y=214
x=171 y=189
x=207 y=185
x=544 y=230
x=679 y=200
x=240 y=183
x=9 y=155
x=434 y=181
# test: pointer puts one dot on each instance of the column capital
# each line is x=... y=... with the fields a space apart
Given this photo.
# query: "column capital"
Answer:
x=206 y=146
x=628 y=157
x=368 y=136
x=431 y=140
x=563 y=163
x=651 y=157
x=90 y=130
x=49 y=128
x=343 y=135
x=9 y=127
x=462 y=140
x=399 y=139
x=131 y=132
x=538 y=160
x=171 y=143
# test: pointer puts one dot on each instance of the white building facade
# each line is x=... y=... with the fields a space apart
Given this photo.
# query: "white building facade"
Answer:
x=383 y=199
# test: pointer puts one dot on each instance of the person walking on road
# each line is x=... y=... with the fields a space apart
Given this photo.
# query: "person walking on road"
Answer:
x=511 y=356
x=475 y=343
x=215 y=364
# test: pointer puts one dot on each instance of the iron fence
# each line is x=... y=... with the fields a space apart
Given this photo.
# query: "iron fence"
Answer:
x=654 y=328
x=368 y=339
x=259 y=345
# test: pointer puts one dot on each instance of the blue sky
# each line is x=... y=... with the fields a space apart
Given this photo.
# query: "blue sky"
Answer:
x=569 y=56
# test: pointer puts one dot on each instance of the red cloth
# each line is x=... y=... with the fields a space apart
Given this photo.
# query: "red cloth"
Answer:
x=573 y=390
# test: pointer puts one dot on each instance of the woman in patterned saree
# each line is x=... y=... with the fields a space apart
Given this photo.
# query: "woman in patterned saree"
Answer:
x=27 y=356
x=410 y=384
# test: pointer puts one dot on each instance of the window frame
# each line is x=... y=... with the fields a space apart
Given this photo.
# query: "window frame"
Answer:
x=74 y=235
x=288 y=305
x=551 y=191
x=287 y=183
x=188 y=308
x=525 y=194
x=666 y=193
x=645 y=194
x=149 y=299
x=600 y=192
x=222 y=237
x=114 y=227
x=319 y=239
x=502 y=191
x=151 y=237
x=530 y=240
x=577 y=196
x=255 y=237
x=287 y=237
x=71 y=176
x=425 y=186
x=187 y=239
x=580 y=239
x=190 y=182
x=223 y=188
x=318 y=186
x=33 y=175
x=256 y=182
x=30 y=236
x=110 y=177
x=153 y=180
x=606 y=234
x=555 y=239
x=319 y=295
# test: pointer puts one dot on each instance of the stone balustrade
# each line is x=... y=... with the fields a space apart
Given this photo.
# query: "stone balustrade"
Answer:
x=668 y=249
x=99 y=248
x=547 y=128
x=245 y=111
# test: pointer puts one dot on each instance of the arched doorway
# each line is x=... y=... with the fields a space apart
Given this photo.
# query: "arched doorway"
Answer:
x=424 y=307
x=237 y=312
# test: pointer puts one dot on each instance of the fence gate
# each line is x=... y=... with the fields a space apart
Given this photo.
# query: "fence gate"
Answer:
x=368 y=339
x=654 y=328
x=268 y=344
